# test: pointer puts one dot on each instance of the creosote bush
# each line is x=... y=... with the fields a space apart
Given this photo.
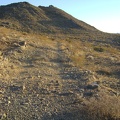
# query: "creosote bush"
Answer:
x=103 y=72
x=105 y=108
x=99 y=49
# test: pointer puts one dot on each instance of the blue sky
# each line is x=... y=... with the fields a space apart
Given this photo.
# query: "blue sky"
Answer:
x=102 y=14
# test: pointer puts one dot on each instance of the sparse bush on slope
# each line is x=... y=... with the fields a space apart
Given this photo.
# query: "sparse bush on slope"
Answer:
x=105 y=108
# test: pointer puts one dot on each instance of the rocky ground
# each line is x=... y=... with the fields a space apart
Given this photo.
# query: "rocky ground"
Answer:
x=39 y=80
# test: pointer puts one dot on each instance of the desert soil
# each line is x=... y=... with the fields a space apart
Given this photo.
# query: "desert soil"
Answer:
x=39 y=81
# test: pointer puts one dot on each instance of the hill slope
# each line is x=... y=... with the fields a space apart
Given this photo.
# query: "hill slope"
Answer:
x=40 y=19
x=57 y=78
x=25 y=17
x=54 y=75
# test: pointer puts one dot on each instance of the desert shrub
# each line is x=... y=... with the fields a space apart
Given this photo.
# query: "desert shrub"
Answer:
x=79 y=60
x=104 y=72
x=99 y=49
x=106 y=108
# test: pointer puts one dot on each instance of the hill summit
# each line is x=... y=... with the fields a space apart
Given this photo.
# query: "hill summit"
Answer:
x=23 y=16
x=26 y=17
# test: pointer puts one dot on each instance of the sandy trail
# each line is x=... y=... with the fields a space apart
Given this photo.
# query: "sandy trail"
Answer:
x=44 y=84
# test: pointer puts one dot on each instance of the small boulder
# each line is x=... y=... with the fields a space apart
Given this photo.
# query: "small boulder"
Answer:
x=89 y=94
x=14 y=88
x=90 y=57
x=22 y=43
x=92 y=86
x=16 y=45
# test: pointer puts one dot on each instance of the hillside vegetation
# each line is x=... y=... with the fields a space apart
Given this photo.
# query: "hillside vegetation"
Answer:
x=55 y=67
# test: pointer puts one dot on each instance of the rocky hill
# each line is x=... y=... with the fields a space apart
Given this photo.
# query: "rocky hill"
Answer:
x=25 y=17
x=39 y=19
x=55 y=67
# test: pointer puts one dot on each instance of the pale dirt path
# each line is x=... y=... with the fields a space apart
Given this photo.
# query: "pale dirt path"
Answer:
x=45 y=85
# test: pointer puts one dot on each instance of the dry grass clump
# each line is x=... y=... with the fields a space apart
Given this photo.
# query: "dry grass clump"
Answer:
x=105 y=108
x=99 y=49
x=104 y=72
x=76 y=52
x=105 y=48
x=79 y=61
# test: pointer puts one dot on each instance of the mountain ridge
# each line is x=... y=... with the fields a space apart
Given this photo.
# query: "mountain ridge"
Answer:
x=24 y=17
x=45 y=17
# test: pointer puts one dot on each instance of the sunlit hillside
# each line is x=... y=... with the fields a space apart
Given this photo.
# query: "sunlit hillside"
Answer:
x=55 y=67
